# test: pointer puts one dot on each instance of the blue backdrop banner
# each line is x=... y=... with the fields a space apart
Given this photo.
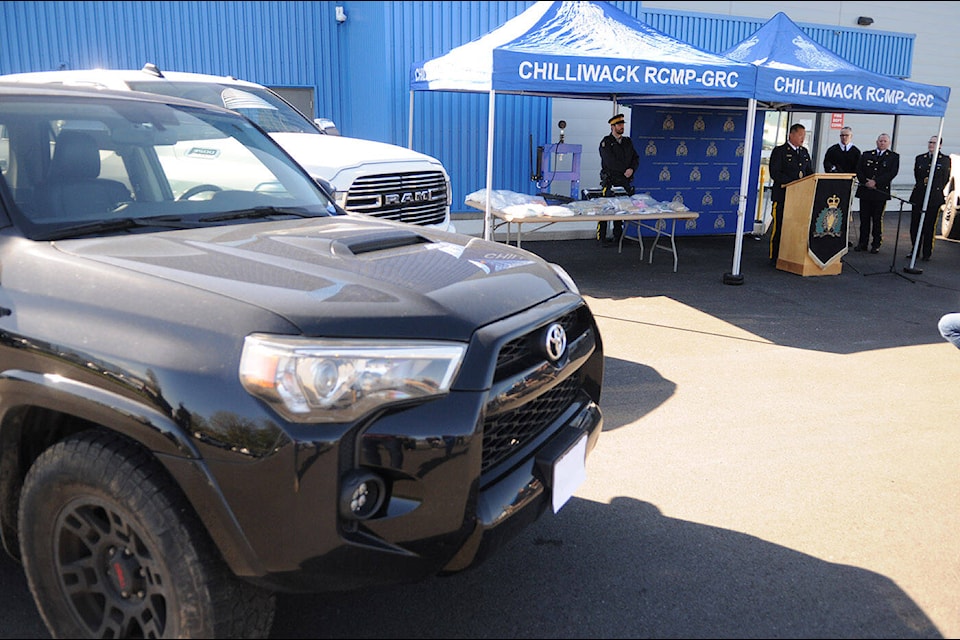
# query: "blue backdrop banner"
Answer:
x=694 y=156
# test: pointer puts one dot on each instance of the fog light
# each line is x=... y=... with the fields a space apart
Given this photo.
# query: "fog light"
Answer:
x=361 y=495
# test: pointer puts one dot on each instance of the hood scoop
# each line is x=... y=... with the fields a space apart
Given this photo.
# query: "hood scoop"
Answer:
x=378 y=241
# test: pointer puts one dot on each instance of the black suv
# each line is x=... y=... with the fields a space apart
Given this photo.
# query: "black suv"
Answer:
x=214 y=387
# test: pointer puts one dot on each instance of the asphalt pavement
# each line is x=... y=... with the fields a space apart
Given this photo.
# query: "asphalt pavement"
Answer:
x=779 y=460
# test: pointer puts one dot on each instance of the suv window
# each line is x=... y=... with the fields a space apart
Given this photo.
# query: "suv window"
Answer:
x=73 y=162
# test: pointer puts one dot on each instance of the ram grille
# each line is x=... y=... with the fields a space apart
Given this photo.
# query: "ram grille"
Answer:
x=415 y=198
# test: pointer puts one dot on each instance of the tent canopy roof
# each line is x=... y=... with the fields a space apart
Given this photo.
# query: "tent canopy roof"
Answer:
x=796 y=73
x=583 y=49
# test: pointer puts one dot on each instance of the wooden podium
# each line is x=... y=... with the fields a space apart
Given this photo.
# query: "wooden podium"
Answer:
x=816 y=214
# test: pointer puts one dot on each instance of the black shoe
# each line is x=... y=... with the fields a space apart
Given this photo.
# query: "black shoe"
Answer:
x=908 y=257
x=874 y=250
x=860 y=247
x=925 y=259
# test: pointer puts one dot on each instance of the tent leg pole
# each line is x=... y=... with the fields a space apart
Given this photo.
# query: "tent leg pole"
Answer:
x=923 y=209
x=410 y=124
x=734 y=277
x=487 y=216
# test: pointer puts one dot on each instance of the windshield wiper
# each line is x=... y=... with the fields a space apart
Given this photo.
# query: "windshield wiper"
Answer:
x=114 y=225
x=261 y=212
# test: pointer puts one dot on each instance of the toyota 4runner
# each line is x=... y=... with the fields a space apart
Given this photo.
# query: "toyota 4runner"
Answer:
x=215 y=387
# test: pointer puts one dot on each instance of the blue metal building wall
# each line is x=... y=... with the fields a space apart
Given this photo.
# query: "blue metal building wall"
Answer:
x=360 y=68
x=284 y=44
x=887 y=53
x=452 y=126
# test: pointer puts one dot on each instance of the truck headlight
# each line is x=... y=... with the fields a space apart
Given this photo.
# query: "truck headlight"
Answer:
x=325 y=380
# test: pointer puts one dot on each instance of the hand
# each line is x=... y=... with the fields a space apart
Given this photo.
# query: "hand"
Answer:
x=628 y=172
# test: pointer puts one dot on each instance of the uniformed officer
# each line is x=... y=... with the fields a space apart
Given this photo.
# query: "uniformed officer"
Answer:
x=618 y=163
x=941 y=175
x=788 y=162
x=875 y=171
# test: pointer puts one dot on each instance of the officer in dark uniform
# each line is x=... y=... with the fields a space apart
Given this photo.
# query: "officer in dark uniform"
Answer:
x=844 y=156
x=618 y=163
x=789 y=161
x=941 y=175
x=876 y=170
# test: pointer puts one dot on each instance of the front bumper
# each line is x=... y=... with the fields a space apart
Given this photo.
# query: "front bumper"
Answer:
x=463 y=474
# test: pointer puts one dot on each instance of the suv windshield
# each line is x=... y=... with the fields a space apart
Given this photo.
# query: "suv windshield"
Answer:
x=77 y=161
x=270 y=112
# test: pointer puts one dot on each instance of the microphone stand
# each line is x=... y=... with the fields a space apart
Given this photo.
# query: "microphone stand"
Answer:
x=896 y=241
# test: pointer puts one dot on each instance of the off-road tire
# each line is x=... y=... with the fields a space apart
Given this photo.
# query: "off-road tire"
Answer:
x=112 y=549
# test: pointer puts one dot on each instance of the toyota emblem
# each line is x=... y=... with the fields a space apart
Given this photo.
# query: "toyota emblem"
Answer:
x=555 y=342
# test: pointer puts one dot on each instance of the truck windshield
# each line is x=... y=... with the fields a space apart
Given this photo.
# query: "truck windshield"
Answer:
x=260 y=105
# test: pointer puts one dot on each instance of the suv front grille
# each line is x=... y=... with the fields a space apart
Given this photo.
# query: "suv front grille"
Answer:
x=508 y=432
x=415 y=198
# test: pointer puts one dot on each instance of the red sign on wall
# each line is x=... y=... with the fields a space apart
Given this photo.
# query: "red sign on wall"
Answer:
x=836 y=121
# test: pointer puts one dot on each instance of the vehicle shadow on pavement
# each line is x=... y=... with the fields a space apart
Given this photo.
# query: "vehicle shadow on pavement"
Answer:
x=623 y=570
x=631 y=391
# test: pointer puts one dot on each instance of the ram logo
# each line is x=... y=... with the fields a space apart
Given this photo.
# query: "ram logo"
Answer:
x=425 y=195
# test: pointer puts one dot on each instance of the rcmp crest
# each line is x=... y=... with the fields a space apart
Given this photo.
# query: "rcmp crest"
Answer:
x=712 y=149
x=665 y=175
x=729 y=126
x=724 y=175
x=829 y=221
x=707 y=199
x=651 y=149
x=695 y=174
x=668 y=123
x=827 y=230
x=740 y=150
x=682 y=148
x=699 y=124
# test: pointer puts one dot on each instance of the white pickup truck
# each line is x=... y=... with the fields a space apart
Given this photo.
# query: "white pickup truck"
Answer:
x=372 y=178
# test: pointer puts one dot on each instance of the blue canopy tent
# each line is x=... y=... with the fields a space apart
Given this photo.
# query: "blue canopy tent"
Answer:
x=795 y=73
x=585 y=50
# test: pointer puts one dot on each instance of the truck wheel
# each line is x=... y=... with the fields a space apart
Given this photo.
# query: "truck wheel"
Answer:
x=112 y=549
x=948 y=226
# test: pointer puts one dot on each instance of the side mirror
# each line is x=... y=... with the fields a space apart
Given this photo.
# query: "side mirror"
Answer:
x=329 y=191
x=326 y=126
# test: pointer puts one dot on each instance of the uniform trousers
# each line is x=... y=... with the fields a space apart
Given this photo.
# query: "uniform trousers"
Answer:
x=926 y=237
x=871 y=223
x=604 y=226
x=776 y=212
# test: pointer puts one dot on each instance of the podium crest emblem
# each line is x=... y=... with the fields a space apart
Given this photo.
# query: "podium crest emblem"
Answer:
x=830 y=220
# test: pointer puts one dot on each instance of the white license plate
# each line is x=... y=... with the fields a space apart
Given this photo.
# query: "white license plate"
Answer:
x=569 y=472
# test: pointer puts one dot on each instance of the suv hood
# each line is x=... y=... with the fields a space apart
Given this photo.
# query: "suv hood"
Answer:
x=328 y=156
x=341 y=276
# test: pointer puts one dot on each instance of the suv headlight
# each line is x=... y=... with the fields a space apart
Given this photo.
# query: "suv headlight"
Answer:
x=325 y=380
x=567 y=280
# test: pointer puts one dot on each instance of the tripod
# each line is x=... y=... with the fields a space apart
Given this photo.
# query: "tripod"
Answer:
x=896 y=241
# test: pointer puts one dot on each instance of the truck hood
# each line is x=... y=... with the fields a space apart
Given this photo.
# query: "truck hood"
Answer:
x=328 y=156
x=341 y=276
